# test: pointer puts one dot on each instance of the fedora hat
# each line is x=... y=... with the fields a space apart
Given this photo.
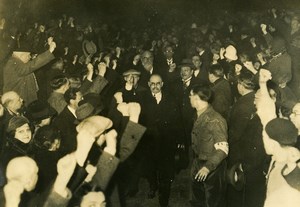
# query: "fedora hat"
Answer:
x=39 y=110
x=236 y=177
x=91 y=104
x=186 y=63
x=24 y=47
x=89 y=48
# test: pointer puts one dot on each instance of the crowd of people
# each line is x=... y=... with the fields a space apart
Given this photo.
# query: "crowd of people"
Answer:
x=88 y=109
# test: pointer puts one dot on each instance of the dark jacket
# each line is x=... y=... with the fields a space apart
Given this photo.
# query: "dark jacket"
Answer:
x=209 y=128
x=19 y=76
x=65 y=123
x=164 y=129
x=240 y=115
x=222 y=97
x=181 y=96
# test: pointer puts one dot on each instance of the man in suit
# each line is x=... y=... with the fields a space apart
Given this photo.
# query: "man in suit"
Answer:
x=162 y=118
x=200 y=73
x=65 y=121
x=147 y=68
x=239 y=118
x=167 y=65
x=180 y=89
x=18 y=71
x=221 y=88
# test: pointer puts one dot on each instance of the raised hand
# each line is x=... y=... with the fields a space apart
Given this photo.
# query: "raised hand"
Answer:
x=123 y=108
x=264 y=28
x=134 y=110
x=65 y=169
x=172 y=67
x=102 y=68
x=119 y=97
x=52 y=44
x=264 y=76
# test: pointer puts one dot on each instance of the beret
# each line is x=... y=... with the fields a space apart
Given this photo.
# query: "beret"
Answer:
x=283 y=131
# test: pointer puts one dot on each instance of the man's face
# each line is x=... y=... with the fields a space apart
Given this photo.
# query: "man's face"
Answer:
x=211 y=77
x=16 y=103
x=132 y=79
x=196 y=61
x=186 y=72
x=169 y=52
x=295 y=116
x=23 y=133
x=155 y=83
x=295 y=24
x=147 y=59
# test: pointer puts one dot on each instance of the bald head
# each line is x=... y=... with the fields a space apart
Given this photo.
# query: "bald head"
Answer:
x=8 y=96
x=12 y=101
x=155 y=83
x=24 y=170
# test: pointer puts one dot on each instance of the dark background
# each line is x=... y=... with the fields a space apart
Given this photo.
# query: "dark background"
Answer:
x=135 y=9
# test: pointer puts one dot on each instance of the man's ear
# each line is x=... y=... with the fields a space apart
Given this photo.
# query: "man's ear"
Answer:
x=162 y=84
x=72 y=101
x=149 y=84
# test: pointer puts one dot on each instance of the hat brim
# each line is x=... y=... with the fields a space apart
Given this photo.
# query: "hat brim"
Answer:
x=85 y=52
x=46 y=113
x=236 y=177
x=186 y=65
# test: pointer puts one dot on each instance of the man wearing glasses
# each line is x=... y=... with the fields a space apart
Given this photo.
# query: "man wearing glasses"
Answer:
x=162 y=118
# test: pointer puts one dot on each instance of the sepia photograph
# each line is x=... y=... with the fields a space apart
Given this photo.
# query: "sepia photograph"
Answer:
x=149 y=103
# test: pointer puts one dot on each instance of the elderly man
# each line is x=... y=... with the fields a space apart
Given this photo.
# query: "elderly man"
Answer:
x=147 y=68
x=162 y=119
x=19 y=75
x=12 y=104
x=210 y=147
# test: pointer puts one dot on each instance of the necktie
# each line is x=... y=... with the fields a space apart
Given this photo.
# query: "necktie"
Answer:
x=185 y=85
x=156 y=98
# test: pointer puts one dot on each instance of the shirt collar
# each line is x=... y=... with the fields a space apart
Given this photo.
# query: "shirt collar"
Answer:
x=157 y=94
x=187 y=80
x=73 y=111
x=151 y=71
